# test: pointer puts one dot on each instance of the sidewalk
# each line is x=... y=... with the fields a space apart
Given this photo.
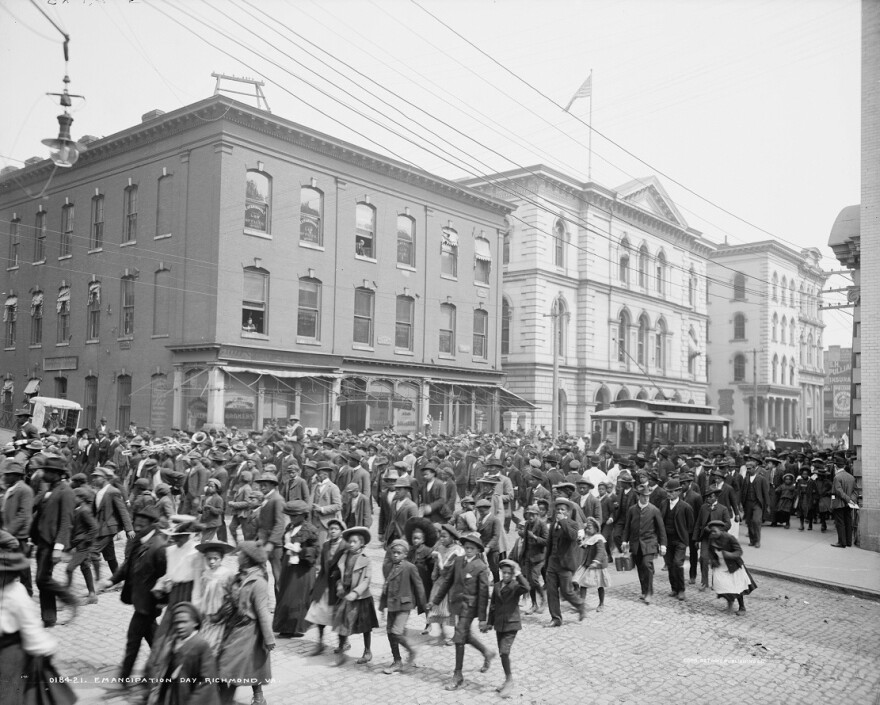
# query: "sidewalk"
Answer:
x=808 y=557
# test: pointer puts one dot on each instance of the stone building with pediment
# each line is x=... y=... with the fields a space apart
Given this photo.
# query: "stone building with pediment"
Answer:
x=617 y=277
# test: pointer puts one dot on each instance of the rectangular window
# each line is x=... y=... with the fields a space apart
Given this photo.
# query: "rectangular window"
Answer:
x=481 y=333
x=505 y=249
x=129 y=214
x=93 y=331
x=90 y=402
x=96 y=240
x=161 y=302
x=447 y=329
x=61 y=387
x=165 y=206
x=363 y=316
x=406 y=238
x=62 y=309
x=14 y=243
x=365 y=226
x=403 y=330
x=67 y=219
x=10 y=313
x=40 y=237
x=126 y=322
x=254 y=313
x=123 y=401
x=311 y=216
x=37 y=319
x=308 y=322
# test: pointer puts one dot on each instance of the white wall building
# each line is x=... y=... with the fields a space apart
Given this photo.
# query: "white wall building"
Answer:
x=627 y=277
x=765 y=338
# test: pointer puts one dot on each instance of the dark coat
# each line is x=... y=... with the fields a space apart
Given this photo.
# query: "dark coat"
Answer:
x=757 y=495
x=504 y=613
x=85 y=528
x=707 y=514
x=843 y=490
x=436 y=499
x=186 y=676
x=728 y=544
x=144 y=564
x=534 y=543
x=682 y=519
x=403 y=590
x=644 y=530
x=467 y=585
x=490 y=529
x=112 y=516
x=272 y=521
x=563 y=543
x=53 y=517
x=328 y=572
x=18 y=510
x=399 y=517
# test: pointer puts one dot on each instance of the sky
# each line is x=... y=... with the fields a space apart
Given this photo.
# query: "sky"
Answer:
x=747 y=111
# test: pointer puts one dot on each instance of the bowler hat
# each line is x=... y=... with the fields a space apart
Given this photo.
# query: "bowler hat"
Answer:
x=672 y=485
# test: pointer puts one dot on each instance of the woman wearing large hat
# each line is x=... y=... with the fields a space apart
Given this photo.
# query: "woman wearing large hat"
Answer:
x=355 y=612
x=300 y=550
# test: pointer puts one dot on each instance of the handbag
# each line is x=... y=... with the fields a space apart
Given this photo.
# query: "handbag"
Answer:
x=624 y=562
x=43 y=685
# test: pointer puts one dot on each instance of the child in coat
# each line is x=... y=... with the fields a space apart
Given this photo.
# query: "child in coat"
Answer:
x=403 y=591
x=85 y=529
x=421 y=536
x=504 y=616
x=355 y=611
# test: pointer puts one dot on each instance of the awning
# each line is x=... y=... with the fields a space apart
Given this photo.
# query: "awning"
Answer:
x=481 y=250
x=10 y=308
x=506 y=398
x=11 y=301
x=63 y=298
x=36 y=302
x=95 y=293
x=450 y=239
x=33 y=387
x=9 y=385
x=287 y=374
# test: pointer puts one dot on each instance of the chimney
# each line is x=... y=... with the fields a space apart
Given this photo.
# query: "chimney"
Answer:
x=152 y=115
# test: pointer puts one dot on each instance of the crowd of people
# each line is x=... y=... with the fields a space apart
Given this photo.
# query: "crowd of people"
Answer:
x=295 y=512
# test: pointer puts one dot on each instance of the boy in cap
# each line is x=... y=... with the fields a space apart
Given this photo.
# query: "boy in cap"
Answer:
x=533 y=534
x=18 y=511
x=562 y=558
x=403 y=591
x=466 y=579
x=504 y=617
x=82 y=538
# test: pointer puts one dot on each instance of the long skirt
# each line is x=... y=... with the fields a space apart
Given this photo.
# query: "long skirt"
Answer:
x=12 y=665
x=737 y=583
x=294 y=599
x=355 y=617
x=243 y=658
x=321 y=611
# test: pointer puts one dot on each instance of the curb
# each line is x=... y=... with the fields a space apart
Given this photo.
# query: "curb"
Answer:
x=864 y=593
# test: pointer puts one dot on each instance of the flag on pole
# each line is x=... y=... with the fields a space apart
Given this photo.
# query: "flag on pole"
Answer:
x=585 y=91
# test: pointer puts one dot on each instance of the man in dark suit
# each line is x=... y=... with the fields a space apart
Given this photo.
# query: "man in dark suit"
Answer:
x=490 y=529
x=645 y=533
x=18 y=512
x=626 y=498
x=678 y=520
x=466 y=580
x=144 y=564
x=434 y=497
x=111 y=516
x=843 y=491
x=402 y=510
x=694 y=497
x=756 y=501
x=88 y=456
x=561 y=562
x=271 y=524
x=50 y=531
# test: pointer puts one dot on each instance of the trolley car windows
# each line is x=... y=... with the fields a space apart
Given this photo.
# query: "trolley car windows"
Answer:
x=609 y=432
x=628 y=434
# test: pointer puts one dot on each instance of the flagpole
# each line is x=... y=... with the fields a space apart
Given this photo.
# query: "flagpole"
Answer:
x=590 y=138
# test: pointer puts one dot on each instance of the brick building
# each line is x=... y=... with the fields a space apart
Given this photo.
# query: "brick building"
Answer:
x=765 y=338
x=219 y=265
x=620 y=277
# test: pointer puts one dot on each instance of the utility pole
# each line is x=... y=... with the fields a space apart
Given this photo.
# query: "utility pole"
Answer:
x=754 y=352
x=554 y=316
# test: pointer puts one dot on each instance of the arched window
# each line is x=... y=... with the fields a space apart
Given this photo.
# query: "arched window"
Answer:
x=791 y=297
x=96 y=231
x=623 y=394
x=661 y=273
x=560 y=237
x=643 y=267
x=739 y=287
x=481 y=334
x=783 y=367
x=406 y=240
x=774 y=329
x=308 y=316
x=603 y=398
x=90 y=402
x=774 y=292
x=642 y=348
x=622 y=334
x=810 y=349
x=791 y=372
x=40 y=232
x=505 y=326
x=739 y=368
x=403 y=330
x=774 y=368
x=802 y=300
x=792 y=338
x=365 y=230
x=739 y=326
x=783 y=330
x=258 y=202
x=447 y=329
x=819 y=350
x=10 y=316
x=692 y=288
x=311 y=216
x=560 y=309
x=165 y=206
x=643 y=394
x=62 y=311
x=784 y=290
x=623 y=268
x=449 y=253
x=660 y=345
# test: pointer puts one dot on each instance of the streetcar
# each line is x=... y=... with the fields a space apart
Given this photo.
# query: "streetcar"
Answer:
x=633 y=425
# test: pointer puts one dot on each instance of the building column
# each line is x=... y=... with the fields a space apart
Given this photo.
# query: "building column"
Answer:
x=297 y=400
x=333 y=394
x=258 y=412
x=178 y=413
x=216 y=394
x=424 y=406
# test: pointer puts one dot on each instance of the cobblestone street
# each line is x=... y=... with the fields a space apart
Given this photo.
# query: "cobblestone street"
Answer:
x=797 y=644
